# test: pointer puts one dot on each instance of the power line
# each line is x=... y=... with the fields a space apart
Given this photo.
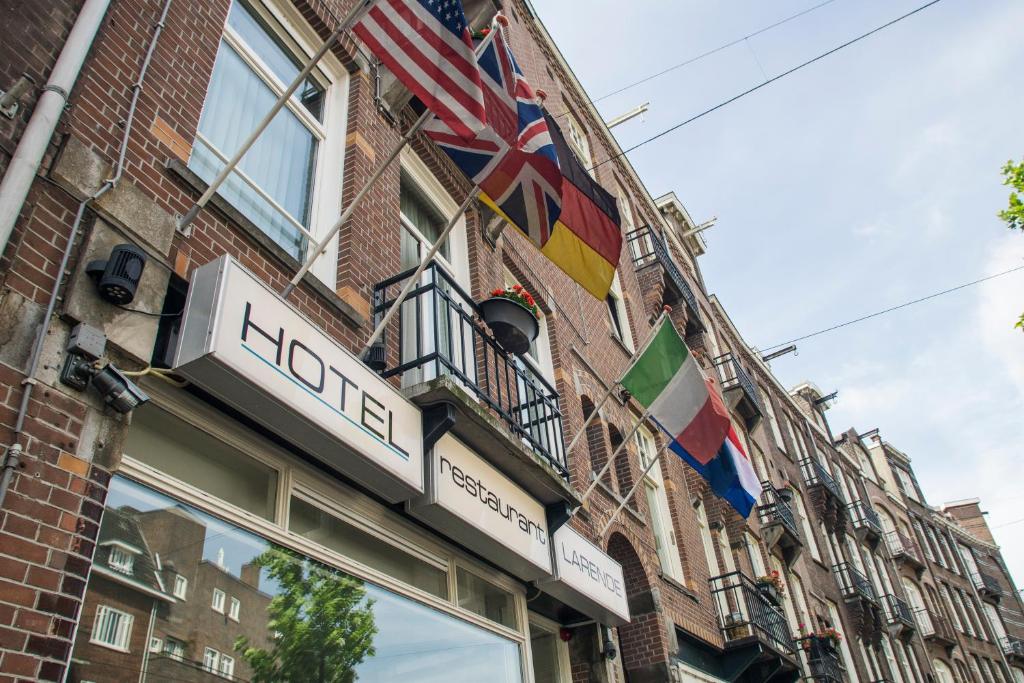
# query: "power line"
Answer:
x=1016 y=521
x=703 y=55
x=893 y=308
x=769 y=81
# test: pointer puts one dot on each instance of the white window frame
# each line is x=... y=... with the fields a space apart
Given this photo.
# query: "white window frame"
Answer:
x=540 y=623
x=662 y=527
x=218 y=600
x=122 y=631
x=773 y=421
x=619 y=301
x=175 y=649
x=211 y=660
x=297 y=478
x=286 y=24
x=805 y=523
x=234 y=608
x=156 y=645
x=227 y=666
x=578 y=142
x=180 y=587
x=121 y=560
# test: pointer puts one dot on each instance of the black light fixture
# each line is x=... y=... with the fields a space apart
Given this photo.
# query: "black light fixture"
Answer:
x=118 y=277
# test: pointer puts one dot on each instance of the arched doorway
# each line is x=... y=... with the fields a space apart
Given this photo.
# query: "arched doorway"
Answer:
x=637 y=660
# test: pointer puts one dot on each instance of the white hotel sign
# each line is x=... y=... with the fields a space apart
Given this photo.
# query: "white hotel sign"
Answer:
x=249 y=348
x=587 y=578
x=470 y=501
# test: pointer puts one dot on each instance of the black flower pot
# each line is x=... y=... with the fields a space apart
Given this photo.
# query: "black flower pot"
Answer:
x=771 y=592
x=786 y=494
x=514 y=325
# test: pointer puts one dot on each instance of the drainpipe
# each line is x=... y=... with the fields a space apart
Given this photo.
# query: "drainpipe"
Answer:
x=32 y=146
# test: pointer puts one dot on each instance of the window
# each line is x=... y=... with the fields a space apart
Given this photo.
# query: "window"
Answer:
x=657 y=503
x=577 y=140
x=906 y=482
x=754 y=554
x=120 y=560
x=942 y=672
x=550 y=652
x=805 y=523
x=773 y=421
x=175 y=649
x=180 y=586
x=235 y=609
x=274 y=185
x=227 y=666
x=218 y=600
x=211 y=660
x=486 y=599
x=112 y=628
x=617 y=314
x=156 y=645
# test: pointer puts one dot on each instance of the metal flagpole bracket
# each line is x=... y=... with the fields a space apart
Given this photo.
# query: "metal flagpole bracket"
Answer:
x=639 y=482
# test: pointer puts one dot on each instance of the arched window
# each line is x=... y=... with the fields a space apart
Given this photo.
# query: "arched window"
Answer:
x=942 y=672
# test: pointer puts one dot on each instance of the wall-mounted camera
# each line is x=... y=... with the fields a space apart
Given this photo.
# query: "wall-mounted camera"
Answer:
x=85 y=346
x=118 y=277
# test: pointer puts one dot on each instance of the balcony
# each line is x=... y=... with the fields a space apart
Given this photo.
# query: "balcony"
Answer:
x=1013 y=648
x=449 y=364
x=935 y=628
x=898 y=615
x=853 y=584
x=905 y=551
x=988 y=587
x=826 y=495
x=778 y=524
x=822 y=660
x=738 y=389
x=866 y=523
x=758 y=643
x=648 y=248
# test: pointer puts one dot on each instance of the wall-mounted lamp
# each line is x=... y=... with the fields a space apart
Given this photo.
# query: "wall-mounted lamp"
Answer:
x=118 y=277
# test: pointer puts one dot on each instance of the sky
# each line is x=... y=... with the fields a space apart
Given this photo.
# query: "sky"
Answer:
x=860 y=182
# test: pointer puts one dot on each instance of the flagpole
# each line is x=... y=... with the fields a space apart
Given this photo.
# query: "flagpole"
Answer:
x=321 y=246
x=345 y=24
x=406 y=139
x=611 y=388
x=632 y=491
x=613 y=456
x=414 y=278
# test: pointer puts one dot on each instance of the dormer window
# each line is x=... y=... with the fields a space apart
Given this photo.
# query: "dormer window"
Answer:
x=120 y=560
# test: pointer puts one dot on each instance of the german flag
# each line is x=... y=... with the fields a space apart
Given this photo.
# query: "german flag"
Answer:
x=587 y=238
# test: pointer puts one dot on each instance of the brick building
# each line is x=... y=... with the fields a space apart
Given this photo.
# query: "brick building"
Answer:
x=198 y=536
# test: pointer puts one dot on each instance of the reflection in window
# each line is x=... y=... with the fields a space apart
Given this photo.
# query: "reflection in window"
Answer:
x=295 y=612
x=484 y=598
x=171 y=445
x=329 y=531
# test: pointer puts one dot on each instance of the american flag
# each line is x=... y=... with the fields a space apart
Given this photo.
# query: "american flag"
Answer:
x=427 y=45
x=513 y=159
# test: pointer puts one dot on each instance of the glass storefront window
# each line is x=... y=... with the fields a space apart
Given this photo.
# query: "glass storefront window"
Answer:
x=298 y=619
x=484 y=598
x=324 y=528
x=172 y=445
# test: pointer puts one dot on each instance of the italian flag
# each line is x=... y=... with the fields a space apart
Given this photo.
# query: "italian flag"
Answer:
x=667 y=380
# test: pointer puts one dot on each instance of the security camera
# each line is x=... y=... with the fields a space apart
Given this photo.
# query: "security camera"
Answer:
x=118 y=392
x=608 y=646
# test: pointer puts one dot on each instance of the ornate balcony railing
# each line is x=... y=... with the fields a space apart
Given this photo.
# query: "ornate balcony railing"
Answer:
x=648 y=248
x=744 y=612
x=852 y=583
x=440 y=333
x=733 y=378
x=816 y=475
x=903 y=548
x=897 y=611
x=987 y=585
x=865 y=518
x=774 y=508
x=822 y=659
x=935 y=627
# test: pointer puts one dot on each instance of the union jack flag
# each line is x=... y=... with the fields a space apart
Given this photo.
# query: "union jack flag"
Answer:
x=427 y=45
x=513 y=159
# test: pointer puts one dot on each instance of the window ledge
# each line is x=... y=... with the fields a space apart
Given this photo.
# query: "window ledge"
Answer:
x=680 y=588
x=182 y=172
x=618 y=499
x=621 y=344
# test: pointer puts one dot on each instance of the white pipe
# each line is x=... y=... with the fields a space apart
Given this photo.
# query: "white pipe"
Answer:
x=32 y=146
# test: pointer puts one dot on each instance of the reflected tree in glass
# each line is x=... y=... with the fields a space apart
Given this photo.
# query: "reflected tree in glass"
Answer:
x=321 y=620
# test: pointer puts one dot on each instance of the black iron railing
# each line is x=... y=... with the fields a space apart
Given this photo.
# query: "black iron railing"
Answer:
x=865 y=517
x=774 y=509
x=816 y=475
x=934 y=626
x=901 y=547
x=897 y=611
x=822 y=659
x=648 y=248
x=732 y=375
x=744 y=611
x=1012 y=647
x=986 y=583
x=852 y=583
x=440 y=333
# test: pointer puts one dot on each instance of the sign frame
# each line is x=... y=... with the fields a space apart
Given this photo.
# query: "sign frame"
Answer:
x=586 y=578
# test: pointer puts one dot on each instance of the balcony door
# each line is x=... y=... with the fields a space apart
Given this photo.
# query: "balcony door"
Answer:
x=430 y=321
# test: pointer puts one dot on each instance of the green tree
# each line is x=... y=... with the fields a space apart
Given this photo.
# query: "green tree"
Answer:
x=322 y=623
x=1013 y=175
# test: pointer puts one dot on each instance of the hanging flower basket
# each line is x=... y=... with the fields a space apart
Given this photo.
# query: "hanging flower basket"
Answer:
x=512 y=315
x=772 y=587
